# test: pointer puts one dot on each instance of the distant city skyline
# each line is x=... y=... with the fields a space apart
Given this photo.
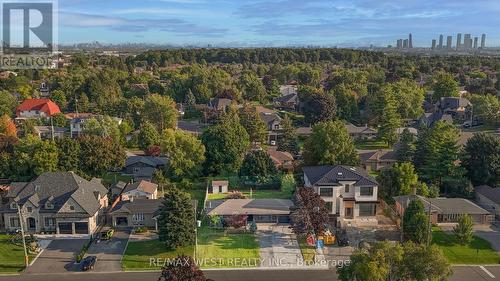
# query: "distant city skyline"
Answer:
x=342 y=23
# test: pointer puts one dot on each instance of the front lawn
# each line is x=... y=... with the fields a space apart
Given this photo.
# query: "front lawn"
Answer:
x=11 y=256
x=478 y=251
x=149 y=255
x=215 y=250
x=371 y=145
x=222 y=250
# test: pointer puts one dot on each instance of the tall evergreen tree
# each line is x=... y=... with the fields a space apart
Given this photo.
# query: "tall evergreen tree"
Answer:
x=253 y=124
x=176 y=220
x=288 y=141
x=406 y=147
x=416 y=222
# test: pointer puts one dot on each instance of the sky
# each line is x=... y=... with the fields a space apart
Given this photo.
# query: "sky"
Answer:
x=343 y=23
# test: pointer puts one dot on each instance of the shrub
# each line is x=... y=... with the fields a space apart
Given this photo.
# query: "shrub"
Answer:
x=141 y=229
x=236 y=221
x=235 y=195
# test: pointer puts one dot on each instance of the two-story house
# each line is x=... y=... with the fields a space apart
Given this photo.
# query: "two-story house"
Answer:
x=140 y=190
x=459 y=108
x=76 y=121
x=37 y=108
x=349 y=192
x=273 y=124
x=55 y=202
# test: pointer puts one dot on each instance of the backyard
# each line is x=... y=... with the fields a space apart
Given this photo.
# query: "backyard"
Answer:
x=11 y=256
x=478 y=251
x=256 y=194
x=216 y=249
x=371 y=145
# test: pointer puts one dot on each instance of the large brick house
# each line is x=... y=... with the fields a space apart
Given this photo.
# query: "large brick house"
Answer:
x=55 y=202
x=349 y=192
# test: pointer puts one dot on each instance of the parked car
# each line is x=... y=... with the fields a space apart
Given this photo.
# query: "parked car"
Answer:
x=88 y=263
x=342 y=239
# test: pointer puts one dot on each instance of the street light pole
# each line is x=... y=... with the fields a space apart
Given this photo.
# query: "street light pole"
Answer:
x=26 y=258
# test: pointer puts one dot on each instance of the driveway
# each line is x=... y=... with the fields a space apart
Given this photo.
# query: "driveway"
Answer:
x=58 y=257
x=278 y=246
x=109 y=253
x=489 y=233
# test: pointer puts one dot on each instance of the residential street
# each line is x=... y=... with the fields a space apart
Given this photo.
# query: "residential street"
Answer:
x=466 y=273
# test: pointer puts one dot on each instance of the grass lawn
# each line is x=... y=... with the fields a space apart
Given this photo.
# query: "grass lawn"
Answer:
x=257 y=194
x=110 y=178
x=371 y=144
x=228 y=251
x=308 y=252
x=11 y=256
x=138 y=254
x=212 y=244
x=479 y=251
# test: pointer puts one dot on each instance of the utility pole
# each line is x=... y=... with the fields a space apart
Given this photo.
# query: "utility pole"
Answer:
x=26 y=258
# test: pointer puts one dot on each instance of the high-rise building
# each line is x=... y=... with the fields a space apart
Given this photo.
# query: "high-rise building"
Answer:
x=399 y=43
x=440 y=41
x=483 y=41
x=433 y=44
x=405 y=44
x=459 y=40
x=475 y=42
x=448 y=42
x=467 y=41
x=410 y=39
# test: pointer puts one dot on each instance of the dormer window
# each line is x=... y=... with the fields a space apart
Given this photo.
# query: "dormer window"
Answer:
x=49 y=205
x=13 y=206
x=29 y=209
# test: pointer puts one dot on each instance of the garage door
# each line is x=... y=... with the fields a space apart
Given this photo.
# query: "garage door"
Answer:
x=65 y=228
x=268 y=218
x=121 y=221
x=82 y=227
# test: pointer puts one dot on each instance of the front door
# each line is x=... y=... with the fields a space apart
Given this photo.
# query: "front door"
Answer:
x=31 y=224
x=348 y=213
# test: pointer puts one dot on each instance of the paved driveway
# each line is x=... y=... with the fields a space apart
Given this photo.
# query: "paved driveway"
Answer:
x=491 y=234
x=278 y=246
x=58 y=257
x=109 y=253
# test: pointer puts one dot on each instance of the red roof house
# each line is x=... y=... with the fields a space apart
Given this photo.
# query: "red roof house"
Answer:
x=37 y=108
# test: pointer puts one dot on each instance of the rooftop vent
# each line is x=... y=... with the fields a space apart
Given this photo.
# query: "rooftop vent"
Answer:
x=339 y=173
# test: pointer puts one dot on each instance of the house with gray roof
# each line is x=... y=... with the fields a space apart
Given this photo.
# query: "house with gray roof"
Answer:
x=429 y=119
x=257 y=210
x=143 y=167
x=361 y=133
x=376 y=160
x=273 y=123
x=445 y=210
x=459 y=108
x=136 y=212
x=489 y=198
x=350 y=193
x=288 y=102
x=55 y=202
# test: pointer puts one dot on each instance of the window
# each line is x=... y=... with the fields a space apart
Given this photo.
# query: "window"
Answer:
x=326 y=192
x=50 y=222
x=366 y=191
x=49 y=205
x=13 y=206
x=138 y=217
x=346 y=189
x=71 y=207
x=367 y=209
x=329 y=206
x=30 y=209
x=14 y=222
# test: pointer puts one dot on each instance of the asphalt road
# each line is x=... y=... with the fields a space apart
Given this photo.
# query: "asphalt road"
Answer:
x=466 y=273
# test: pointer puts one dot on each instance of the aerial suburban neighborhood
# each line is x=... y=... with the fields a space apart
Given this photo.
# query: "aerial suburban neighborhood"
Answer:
x=197 y=163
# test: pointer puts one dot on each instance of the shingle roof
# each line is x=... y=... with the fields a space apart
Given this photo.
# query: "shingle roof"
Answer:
x=489 y=192
x=249 y=206
x=331 y=175
x=44 y=105
x=152 y=161
x=443 y=205
x=288 y=98
x=59 y=187
x=145 y=186
x=352 y=129
x=453 y=102
x=377 y=155
x=145 y=206
x=219 y=103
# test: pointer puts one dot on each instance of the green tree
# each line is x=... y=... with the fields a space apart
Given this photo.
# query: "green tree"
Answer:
x=401 y=179
x=346 y=100
x=33 y=156
x=444 y=86
x=410 y=97
x=99 y=155
x=252 y=87
x=148 y=135
x=176 y=220
x=463 y=230
x=288 y=183
x=186 y=153
x=416 y=222
x=481 y=159
x=317 y=106
x=104 y=126
x=389 y=124
x=288 y=141
x=487 y=107
x=59 y=97
x=60 y=120
x=406 y=147
x=257 y=164
x=330 y=144
x=8 y=103
x=69 y=154
x=436 y=154
x=160 y=111
x=226 y=143
x=253 y=124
